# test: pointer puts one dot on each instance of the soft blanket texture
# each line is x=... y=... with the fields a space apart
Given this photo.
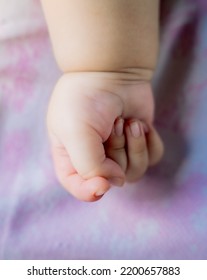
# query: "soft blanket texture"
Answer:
x=164 y=216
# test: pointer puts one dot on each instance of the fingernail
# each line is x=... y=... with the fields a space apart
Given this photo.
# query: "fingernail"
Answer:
x=100 y=193
x=135 y=129
x=145 y=127
x=119 y=127
x=116 y=181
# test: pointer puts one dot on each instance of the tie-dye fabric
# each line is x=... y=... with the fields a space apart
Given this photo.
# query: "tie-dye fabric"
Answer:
x=164 y=216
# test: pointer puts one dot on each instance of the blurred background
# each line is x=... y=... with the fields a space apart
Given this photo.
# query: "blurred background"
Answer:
x=163 y=216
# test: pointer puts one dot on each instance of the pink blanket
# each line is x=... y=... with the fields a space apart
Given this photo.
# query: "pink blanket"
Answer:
x=164 y=216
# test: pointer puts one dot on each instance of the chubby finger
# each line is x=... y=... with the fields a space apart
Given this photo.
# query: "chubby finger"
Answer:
x=155 y=146
x=86 y=150
x=83 y=189
x=136 y=150
x=115 y=145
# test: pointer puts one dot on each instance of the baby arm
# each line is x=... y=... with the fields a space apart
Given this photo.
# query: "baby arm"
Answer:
x=111 y=35
x=107 y=51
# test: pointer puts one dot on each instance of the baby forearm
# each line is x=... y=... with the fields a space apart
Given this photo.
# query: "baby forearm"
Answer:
x=109 y=35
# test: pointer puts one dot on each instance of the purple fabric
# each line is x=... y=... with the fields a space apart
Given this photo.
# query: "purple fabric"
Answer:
x=202 y=4
x=164 y=216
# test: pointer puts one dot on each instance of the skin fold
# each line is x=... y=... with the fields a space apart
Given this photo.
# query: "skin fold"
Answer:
x=100 y=115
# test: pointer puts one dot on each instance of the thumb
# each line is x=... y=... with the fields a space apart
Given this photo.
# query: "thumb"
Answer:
x=86 y=150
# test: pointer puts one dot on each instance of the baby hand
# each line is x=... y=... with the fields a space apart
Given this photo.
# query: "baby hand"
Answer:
x=129 y=145
x=82 y=113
